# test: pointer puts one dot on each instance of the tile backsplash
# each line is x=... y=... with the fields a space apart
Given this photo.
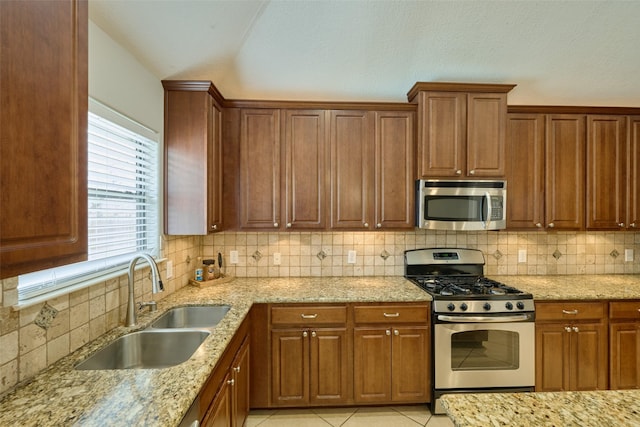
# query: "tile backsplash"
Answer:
x=35 y=337
x=381 y=253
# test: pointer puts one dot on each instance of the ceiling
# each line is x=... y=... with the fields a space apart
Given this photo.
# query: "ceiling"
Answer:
x=558 y=52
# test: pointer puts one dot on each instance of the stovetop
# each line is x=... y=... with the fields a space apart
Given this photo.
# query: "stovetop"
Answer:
x=464 y=287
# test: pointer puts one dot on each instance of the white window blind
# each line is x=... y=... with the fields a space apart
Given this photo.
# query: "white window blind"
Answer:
x=122 y=206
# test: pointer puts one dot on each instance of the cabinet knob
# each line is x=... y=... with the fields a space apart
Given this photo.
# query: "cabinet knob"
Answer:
x=575 y=329
x=231 y=382
x=366 y=224
x=305 y=334
x=538 y=225
x=236 y=369
x=388 y=332
x=632 y=225
x=567 y=328
x=551 y=225
x=378 y=225
x=458 y=172
x=472 y=172
x=621 y=224
x=214 y=227
x=313 y=334
x=275 y=224
x=396 y=332
x=288 y=225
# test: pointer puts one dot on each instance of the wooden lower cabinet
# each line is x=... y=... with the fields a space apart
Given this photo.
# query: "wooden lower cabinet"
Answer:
x=219 y=412
x=571 y=346
x=309 y=366
x=624 y=345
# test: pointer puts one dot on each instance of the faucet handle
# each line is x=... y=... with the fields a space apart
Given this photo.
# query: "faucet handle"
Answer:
x=153 y=306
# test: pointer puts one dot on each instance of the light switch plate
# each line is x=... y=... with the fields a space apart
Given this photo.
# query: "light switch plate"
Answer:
x=169 y=269
x=628 y=255
x=522 y=255
x=233 y=257
x=351 y=257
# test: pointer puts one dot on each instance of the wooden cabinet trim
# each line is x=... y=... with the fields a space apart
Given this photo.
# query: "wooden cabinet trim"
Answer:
x=457 y=87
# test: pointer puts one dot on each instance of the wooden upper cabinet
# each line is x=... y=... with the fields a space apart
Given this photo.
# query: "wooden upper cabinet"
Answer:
x=394 y=183
x=565 y=171
x=306 y=159
x=607 y=157
x=351 y=172
x=193 y=159
x=43 y=135
x=461 y=129
x=525 y=171
x=260 y=168
x=633 y=206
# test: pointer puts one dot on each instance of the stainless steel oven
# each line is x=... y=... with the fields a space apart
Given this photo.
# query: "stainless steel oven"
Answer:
x=483 y=330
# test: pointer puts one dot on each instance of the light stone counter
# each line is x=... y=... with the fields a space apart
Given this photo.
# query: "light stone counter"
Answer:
x=559 y=409
x=62 y=396
x=578 y=287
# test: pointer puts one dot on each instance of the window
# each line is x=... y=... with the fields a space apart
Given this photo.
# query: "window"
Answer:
x=122 y=205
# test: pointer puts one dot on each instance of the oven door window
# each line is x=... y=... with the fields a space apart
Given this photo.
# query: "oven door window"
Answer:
x=455 y=208
x=485 y=350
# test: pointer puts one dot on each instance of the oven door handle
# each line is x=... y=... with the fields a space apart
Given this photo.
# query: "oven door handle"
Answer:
x=484 y=319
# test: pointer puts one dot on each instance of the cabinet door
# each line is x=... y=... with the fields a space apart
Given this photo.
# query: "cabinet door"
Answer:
x=214 y=179
x=240 y=375
x=486 y=139
x=634 y=174
x=289 y=367
x=43 y=129
x=525 y=171
x=259 y=168
x=188 y=143
x=305 y=168
x=624 y=355
x=394 y=183
x=410 y=364
x=372 y=365
x=351 y=170
x=606 y=172
x=552 y=361
x=589 y=348
x=442 y=139
x=219 y=412
x=565 y=171
x=329 y=373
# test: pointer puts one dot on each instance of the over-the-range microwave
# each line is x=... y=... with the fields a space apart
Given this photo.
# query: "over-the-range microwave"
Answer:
x=461 y=204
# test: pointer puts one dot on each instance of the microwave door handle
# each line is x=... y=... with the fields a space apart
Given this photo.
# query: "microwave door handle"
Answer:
x=487 y=197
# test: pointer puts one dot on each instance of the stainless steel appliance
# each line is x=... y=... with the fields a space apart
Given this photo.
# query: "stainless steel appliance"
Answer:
x=461 y=205
x=483 y=336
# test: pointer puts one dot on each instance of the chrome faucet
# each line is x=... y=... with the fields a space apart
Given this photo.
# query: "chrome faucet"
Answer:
x=156 y=286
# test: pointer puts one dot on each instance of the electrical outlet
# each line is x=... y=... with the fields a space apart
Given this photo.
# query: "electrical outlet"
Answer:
x=277 y=259
x=522 y=255
x=351 y=257
x=628 y=255
x=169 y=269
x=233 y=257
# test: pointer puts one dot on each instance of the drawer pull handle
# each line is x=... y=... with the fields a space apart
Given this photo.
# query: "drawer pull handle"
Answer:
x=309 y=316
x=391 y=314
x=569 y=311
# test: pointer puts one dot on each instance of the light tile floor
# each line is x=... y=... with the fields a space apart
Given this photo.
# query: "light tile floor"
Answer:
x=394 y=416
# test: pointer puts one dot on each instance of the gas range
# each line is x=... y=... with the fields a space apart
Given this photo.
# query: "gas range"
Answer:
x=454 y=278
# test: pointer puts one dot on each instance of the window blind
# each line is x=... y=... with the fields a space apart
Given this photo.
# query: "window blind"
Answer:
x=122 y=207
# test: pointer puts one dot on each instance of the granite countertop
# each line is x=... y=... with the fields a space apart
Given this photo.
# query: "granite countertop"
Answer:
x=61 y=395
x=559 y=409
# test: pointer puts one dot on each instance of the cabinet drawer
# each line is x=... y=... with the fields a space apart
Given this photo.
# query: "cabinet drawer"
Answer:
x=308 y=315
x=391 y=314
x=570 y=310
x=624 y=310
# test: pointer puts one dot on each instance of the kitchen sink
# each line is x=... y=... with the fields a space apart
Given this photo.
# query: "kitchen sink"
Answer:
x=201 y=316
x=146 y=350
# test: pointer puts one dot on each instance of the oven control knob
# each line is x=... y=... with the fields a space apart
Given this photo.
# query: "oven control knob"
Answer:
x=509 y=306
x=451 y=307
x=520 y=305
x=463 y=306
x=487 y=306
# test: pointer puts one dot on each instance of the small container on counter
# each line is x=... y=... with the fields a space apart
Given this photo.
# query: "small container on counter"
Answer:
x=211 y=272
x=199 y=274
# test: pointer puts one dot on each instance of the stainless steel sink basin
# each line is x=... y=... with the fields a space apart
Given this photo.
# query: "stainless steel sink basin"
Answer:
x=201 y=316
x=146 y=350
